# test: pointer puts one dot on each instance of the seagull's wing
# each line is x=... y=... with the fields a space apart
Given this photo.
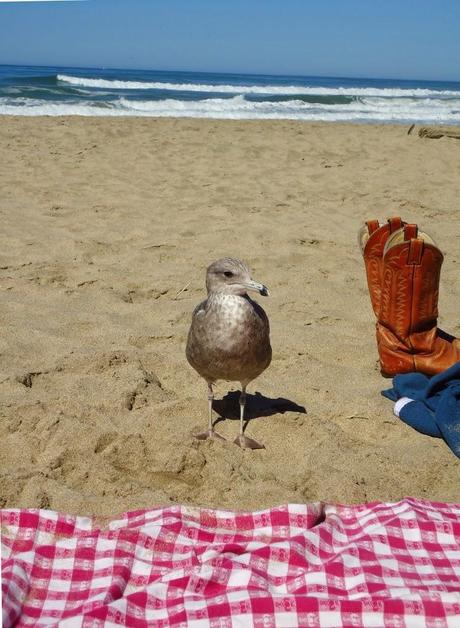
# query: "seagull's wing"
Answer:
x=200 y=309
x=260 y=312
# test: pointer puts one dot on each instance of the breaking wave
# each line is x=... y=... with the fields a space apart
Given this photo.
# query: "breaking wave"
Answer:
x=51 y=91
x=238 y=107
x=254 y=89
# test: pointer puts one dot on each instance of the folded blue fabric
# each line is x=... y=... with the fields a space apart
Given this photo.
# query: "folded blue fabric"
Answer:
x=431 y=405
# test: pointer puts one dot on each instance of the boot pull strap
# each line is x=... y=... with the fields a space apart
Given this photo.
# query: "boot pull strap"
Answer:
x=414 y=257
x=372 y=225
x=395 y=223
x=410 y=232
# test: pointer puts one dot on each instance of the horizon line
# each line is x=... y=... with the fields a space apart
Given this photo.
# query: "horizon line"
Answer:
x=43 y=0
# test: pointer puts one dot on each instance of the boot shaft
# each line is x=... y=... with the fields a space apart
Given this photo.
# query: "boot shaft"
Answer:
x=410 y=287
x=372 y=239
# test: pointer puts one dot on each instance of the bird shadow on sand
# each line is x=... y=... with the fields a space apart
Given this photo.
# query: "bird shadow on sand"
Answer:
x=257 y=406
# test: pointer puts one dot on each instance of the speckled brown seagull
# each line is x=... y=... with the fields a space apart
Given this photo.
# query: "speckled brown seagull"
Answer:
x=229 y=338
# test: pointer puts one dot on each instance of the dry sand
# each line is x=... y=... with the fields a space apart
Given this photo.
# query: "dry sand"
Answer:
x=107 y=226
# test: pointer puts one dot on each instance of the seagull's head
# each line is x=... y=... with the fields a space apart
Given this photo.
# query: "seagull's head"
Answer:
x=231 y=276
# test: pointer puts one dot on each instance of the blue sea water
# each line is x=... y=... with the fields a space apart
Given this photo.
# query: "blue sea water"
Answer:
x=28 y=90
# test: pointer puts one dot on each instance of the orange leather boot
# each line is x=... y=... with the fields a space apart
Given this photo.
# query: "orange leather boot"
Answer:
x=407 y=335
x=372 y=239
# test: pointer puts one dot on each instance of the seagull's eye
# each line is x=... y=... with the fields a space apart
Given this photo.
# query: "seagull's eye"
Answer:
x=228 y=273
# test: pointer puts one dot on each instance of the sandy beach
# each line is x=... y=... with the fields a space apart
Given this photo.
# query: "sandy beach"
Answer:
x=107 y=226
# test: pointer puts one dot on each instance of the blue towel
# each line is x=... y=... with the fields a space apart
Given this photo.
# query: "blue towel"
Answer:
x=431 y=405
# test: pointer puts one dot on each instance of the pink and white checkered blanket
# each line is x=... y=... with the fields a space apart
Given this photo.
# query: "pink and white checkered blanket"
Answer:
x=298 y=565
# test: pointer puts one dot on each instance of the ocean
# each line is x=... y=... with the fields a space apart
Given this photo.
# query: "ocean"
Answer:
x=57 y=91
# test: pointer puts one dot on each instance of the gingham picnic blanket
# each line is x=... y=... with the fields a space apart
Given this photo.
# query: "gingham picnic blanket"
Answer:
x=377 y=564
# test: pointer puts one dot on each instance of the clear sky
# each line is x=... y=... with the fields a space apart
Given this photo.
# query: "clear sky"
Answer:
x=417 y=39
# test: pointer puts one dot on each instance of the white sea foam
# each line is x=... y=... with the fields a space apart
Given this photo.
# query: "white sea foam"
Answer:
x=361 y=110
x=257 y=89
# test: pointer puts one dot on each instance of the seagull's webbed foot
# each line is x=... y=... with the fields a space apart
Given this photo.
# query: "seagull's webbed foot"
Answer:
x=209 y=434
x=247 y=443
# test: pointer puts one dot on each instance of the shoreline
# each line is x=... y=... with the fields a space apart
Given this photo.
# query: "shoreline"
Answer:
x=109 y=224
x=373 y=123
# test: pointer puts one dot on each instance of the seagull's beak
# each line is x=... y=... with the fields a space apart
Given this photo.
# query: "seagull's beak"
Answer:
x=257 y=287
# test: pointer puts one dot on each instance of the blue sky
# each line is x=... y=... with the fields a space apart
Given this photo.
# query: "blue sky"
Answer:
x=366 y=38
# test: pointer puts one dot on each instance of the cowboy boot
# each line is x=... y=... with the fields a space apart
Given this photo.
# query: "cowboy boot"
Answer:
x=407 y=335
x=372 y=239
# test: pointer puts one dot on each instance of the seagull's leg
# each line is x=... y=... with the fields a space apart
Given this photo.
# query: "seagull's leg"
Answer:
x=210 y=433
x=244 y=441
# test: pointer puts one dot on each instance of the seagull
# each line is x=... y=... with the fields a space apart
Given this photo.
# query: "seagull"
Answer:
x=229 y=337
